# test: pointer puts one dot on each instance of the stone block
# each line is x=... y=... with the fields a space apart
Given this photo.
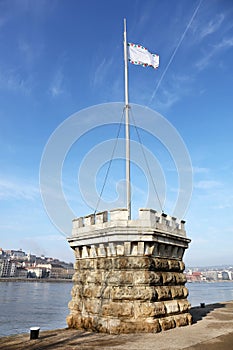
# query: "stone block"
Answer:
x=163 y=292
x=185 y=292
x=148 y=309
x=161 y=264
x=74 y=321
x=104 y=263
x=147 y=277
x=132 y=293
x=118 y=278
x=180 y=278
x=102 y=217
x=94 y=277
x=184 y=305
x=181 y=320
x=148 y=215
x=120 y=249
x=119 y=214
x=77 y=253
x=174 y=265
x=92 y=306
x=127 y=248
x=92 y=291
x=101 y=251
x=140 y=248
x=87 y=264
x=93 y=252
x=117 y=309
x=89 y=220
x=76 y=306
x=149 y=247
x=182 y=266
x=134 y=262
x=171 y=306
x=167 y=323
x=140 y=326
x=77 y=291
x=155 y=251
x=177 y=292
x=85 y=252
x=168 y=278
x=134 y=249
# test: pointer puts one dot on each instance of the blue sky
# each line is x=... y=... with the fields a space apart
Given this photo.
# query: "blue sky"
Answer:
x=60 y=57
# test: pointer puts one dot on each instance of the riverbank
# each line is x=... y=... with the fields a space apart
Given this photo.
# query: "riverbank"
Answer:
x=212 y=329
x=41 y=280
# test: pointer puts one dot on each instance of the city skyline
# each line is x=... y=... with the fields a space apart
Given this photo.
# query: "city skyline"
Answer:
x=60 y=58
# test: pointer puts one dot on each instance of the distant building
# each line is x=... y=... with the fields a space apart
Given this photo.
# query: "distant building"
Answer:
x=7 y=268
x=36 y=272
x=17 y=254
x=58 y=270
x=194 y=276
x=21 y=272
x=225 y=275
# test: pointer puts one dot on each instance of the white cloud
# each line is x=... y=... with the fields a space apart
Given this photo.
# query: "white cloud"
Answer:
x=17 y=190
x=200 y=170
x=215 y=50
x=56 y=87
x=173 y=91
x=212 y=26
x=101 y=72
x=11 y=80
x=207 y=185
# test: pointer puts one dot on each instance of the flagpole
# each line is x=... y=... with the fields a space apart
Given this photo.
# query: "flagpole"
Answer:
x=127 y=131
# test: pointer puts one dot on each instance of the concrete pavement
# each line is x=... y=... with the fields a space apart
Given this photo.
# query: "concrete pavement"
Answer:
x=212 y=330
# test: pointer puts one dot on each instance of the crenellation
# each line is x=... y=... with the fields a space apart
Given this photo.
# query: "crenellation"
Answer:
x=119 y=217
x=101 y=217
x=89 y=220
x=119 y=214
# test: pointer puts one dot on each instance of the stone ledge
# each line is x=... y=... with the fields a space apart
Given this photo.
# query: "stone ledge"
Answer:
x=137 y=248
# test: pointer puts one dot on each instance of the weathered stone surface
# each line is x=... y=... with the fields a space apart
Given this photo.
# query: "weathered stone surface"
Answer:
x=181 y=320
x=117 y=309
x=168 y=278
x=151 y=326
x=184 y=305
x=129 y=273
x=171 y=306
x=148 y=309
x=133 y=293
x=167 y=323
x=120 y=277
x=147 y=277
x=174 y=265
x=163 y=292
x=180 y=278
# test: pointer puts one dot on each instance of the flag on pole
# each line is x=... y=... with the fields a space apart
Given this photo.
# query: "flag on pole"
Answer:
x=138 y=54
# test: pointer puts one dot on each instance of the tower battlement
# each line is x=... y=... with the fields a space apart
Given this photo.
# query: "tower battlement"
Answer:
x=147 y=218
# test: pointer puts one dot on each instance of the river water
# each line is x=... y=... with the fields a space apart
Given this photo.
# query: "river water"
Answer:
x=24 y=305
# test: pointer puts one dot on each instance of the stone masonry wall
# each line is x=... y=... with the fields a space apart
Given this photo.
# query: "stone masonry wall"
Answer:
x=128 y=273
x=128 y=294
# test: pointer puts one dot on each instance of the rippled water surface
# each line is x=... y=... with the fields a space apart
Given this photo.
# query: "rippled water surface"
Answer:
x=28 y=304
x=25 y=304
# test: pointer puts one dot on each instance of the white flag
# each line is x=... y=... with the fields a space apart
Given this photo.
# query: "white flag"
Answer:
x=138 y=54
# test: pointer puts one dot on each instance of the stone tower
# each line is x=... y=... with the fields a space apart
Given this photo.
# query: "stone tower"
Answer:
x=128 y=273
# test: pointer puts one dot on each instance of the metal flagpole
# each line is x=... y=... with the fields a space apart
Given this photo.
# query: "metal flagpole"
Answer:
x=127 y=133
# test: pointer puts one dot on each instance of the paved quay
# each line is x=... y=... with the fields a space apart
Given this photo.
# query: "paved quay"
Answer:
x=212 y=329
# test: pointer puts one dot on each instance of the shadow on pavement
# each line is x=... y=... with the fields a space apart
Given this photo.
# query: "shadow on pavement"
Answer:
x=198 y=313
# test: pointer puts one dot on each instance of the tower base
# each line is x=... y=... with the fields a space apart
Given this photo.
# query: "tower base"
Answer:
x=128 y=274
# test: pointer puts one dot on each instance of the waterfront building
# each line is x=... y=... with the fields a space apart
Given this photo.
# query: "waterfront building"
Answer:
x=7 y=268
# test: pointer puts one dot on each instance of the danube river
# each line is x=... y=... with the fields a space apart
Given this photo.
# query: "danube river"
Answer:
x=27 y=304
